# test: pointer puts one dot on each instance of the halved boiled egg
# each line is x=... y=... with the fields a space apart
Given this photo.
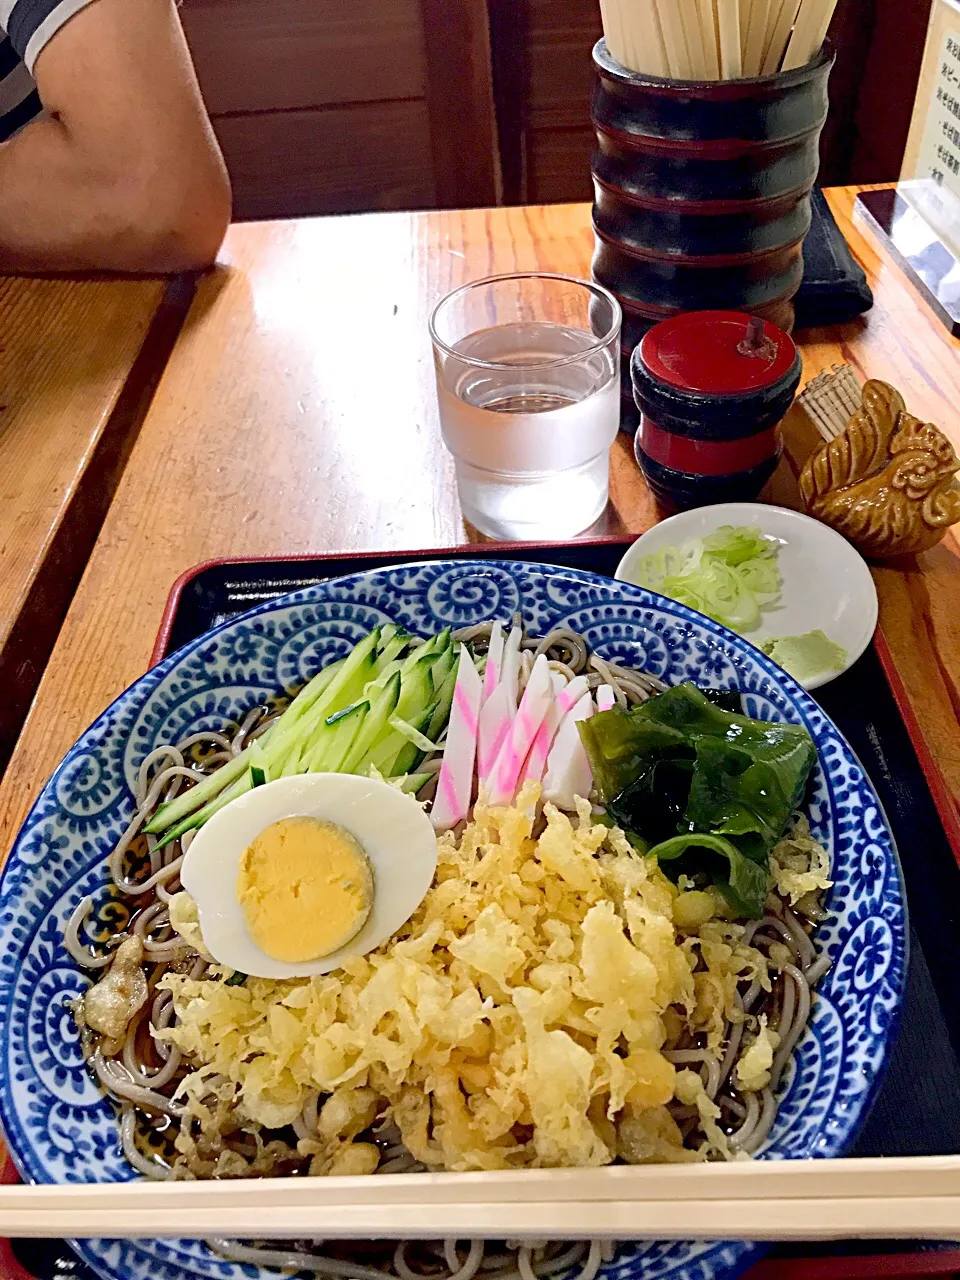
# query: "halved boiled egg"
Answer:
x=298 y=874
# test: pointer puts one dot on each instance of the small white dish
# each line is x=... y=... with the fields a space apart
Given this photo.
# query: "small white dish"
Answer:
x=826 y=583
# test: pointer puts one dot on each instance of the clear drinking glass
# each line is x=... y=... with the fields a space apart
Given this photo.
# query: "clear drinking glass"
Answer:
x=528 y=380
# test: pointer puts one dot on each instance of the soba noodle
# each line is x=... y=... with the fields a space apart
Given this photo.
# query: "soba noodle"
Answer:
x=142 y=1074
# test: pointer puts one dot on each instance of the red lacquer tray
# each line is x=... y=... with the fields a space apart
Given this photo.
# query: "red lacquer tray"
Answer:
x=918 y=1110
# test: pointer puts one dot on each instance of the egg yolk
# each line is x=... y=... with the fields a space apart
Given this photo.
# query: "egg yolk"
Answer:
x=305 y=887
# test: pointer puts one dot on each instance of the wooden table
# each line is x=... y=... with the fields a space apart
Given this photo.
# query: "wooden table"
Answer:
x=297 y=414
x=76 y=361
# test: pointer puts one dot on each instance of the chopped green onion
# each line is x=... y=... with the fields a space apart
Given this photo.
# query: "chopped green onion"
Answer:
x=730 y=575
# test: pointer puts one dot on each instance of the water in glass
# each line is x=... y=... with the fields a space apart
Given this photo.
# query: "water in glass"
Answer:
x=532 y=434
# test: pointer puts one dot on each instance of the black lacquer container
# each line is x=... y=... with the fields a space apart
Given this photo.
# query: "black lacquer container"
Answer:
x=712 y=388
x=702 y=191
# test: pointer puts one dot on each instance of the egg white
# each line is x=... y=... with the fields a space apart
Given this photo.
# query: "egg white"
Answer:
x=395 y=833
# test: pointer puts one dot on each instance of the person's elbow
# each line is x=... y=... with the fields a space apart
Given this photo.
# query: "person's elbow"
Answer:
x=175 y=223
x=196 y=231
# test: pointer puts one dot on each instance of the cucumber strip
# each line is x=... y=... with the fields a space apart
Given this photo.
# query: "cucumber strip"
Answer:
x=382 y=706
x=442 y=668
x=328 y=751
x=389 y=652
x=441 y=709
x=258 y=767
x=385 y=756
x=430 y=648
x=412 y=734
x=346 y=689
x=311 y=704
x=347 y=711
x=348 y=731
x=416 y=689
x=441 y=641
x=292 y=760
x=285 y=742
x=411 y=783
x=283 y=732
x=284 y=756
x=406 y=665
x=298 y=708
x=398 y=753
x=329 y=741
x=395 y=754
x=312 y=690
x=342 y=693
x=406 y=760
x=240 y=787
x=389 y=670
x=339 y=690
x=199 y=795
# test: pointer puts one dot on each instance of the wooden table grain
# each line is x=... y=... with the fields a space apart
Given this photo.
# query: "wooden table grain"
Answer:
x=74 y=363
x=297 y=414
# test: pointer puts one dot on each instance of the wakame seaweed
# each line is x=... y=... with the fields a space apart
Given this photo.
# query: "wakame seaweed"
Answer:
x=709 y=790
x=725 y=699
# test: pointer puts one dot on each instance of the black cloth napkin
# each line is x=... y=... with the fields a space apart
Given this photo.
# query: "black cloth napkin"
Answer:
x=834 y=285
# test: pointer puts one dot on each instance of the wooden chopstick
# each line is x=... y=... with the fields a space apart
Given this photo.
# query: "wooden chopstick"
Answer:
x=711 y=40
x=754 y=38
x=610 y=12
x=814 y=17
x=821 y=29
x=783 y=24
x=731 y=54
x=654 y=54
x=877 y=1178
x=804 y=1199
x=693 y=37
x=678 y=56
x=746 y=8
x=933 y=1218
x=629 y=30
x=715 y=39
x=774 y=9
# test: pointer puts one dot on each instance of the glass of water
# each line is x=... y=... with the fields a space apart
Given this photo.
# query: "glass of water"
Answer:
x=528 y=380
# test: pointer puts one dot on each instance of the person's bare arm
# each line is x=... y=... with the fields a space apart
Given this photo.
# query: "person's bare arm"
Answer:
x=122 y=172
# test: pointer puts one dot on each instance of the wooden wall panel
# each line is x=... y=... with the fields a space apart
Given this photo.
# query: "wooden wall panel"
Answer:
x=331 y=106
x=268 y=55
x=890 y=80
x=508 y=66
x=338 y=160
x=560 y=74
x=850 y=31
x=559 y=87
x=463 y=119
x=558 y=165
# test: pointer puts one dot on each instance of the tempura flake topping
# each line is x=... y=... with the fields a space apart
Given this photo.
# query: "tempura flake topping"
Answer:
x=519 y=1019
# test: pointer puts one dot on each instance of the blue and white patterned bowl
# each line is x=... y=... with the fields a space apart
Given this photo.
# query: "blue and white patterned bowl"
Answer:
x=58 y=1126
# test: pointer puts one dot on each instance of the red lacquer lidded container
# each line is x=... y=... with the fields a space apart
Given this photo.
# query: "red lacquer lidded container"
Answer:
x=712 y=388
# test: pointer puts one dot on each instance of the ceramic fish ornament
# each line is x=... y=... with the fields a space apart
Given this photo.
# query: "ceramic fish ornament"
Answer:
x=886 y=480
